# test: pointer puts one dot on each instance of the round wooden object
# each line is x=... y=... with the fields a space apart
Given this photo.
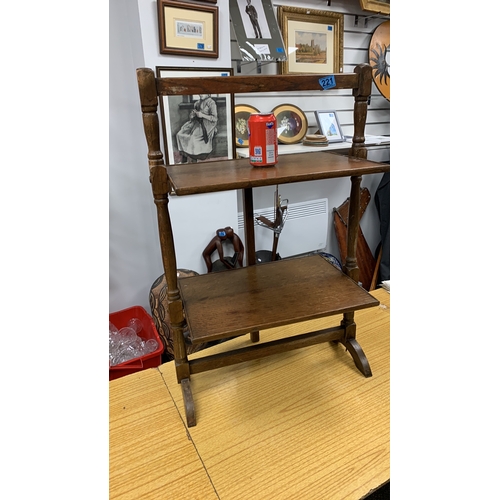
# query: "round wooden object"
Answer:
x=380 y=61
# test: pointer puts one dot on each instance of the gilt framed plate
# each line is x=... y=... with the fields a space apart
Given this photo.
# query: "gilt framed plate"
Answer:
x=242 y=113
x=291 y=123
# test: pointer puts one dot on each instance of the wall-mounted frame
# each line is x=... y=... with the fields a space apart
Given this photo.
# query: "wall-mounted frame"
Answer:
x=314 y=40
x=329 y=125
x=185 y=139
x=188 y=29
x=256 y=29
x=242 y=113
x=291 y=122
x=378 y=6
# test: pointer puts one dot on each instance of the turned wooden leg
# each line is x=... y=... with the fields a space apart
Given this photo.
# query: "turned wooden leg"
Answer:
x=249 y=225
x=351 y=269
x=187 y=395
x=249 y=238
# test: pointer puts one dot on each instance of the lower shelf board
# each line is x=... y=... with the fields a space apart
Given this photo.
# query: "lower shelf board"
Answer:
x=234 y=302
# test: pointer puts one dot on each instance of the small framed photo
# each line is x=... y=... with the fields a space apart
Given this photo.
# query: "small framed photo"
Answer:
x=329 y=125
x=188 y=29
x=197 y=128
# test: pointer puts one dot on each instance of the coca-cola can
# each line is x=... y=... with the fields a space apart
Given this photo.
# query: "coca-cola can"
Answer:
x=262 y=140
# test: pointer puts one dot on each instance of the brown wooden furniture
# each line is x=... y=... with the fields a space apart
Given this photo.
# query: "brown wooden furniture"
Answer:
x=257 y=297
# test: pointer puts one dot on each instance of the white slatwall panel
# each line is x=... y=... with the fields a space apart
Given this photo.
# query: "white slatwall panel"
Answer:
x=356 y=50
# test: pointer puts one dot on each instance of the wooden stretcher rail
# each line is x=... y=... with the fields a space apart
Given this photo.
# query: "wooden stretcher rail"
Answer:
x=266 y=349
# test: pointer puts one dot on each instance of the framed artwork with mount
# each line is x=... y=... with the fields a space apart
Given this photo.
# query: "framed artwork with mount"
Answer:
x=197 y=128
x=188 y=29
x=314 y=40
x=256 y=30
x=329 y=125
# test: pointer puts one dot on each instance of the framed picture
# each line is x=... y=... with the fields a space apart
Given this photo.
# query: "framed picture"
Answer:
x=197 y=128
x=378 y=6
x=314 y=40
x=256 y=29
x=329 y=125
x=291 y=122
x=242 y=113
x=188 y=29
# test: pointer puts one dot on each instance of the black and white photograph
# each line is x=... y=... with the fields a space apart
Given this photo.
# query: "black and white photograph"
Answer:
x=254 y=19
x=256 y=29
x=197 y=128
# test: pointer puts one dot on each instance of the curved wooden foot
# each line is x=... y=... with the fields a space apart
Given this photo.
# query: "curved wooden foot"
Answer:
x=358 y=356
x=187 y=395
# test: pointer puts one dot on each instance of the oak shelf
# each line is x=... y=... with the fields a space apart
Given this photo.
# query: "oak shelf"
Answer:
x=252 y=299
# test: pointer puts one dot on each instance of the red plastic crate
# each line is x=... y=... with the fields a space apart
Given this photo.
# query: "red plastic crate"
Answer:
x=120 y=320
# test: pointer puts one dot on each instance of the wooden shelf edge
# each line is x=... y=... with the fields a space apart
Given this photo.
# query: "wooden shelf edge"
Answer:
x=235 y=302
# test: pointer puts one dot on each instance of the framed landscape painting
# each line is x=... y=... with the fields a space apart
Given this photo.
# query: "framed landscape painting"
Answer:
x=314 y=40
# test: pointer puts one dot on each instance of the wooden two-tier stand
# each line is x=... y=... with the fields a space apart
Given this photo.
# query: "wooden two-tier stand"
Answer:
x=254 y=298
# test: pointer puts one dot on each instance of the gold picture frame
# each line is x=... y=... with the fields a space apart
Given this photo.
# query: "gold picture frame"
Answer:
x=188 y=29
x=378 y=6
x=313 y=39
x=242 y=113
x=291 y=123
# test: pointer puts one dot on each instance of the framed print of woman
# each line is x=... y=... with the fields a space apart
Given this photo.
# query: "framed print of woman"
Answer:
x=195 y=138
x=197 y=128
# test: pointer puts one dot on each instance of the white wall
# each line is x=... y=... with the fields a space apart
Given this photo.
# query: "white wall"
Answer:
x=134 y=251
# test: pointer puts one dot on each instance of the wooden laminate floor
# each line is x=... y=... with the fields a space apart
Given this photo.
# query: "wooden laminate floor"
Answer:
x=299 y=425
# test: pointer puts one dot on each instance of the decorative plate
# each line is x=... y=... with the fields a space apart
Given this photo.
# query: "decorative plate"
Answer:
x=291 y=123
x=241 y=114
x=380 y=58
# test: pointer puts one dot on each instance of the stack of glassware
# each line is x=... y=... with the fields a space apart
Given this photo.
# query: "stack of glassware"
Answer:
x=125 y=343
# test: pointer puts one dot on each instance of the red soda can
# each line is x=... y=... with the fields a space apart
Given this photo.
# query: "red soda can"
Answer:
x=262 y=139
